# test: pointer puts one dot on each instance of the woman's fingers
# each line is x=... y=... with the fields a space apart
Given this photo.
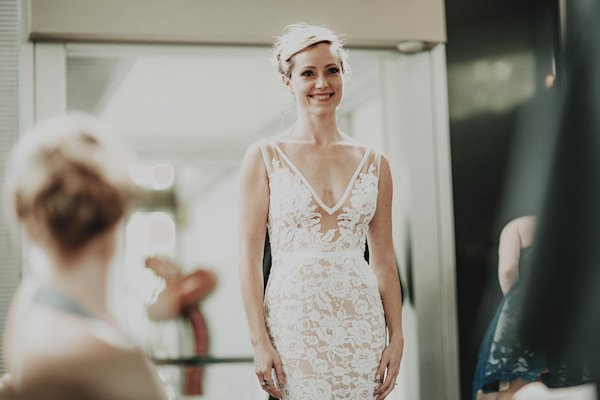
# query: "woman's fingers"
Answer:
x=265 y=363
x=382 y=389
x=385 y=359
x=390 y=361
x=268 y=385
x=380 y=374
x=273 y=390
x=279 y=371
x=389 y=383
x=388 y=386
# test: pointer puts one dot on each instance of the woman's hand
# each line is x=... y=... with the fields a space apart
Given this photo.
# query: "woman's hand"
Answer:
x=390 y=361
x=265 y=359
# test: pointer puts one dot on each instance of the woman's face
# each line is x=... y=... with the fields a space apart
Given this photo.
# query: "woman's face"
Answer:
x=316 y=80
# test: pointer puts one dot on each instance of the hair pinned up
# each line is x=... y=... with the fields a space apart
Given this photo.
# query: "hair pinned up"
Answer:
x=298 y=37
x=68 y=181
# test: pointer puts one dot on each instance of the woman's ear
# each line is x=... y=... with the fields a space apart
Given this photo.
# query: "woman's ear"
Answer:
x=287 y=82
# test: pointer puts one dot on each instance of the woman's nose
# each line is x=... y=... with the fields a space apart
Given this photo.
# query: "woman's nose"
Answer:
x=321 y=82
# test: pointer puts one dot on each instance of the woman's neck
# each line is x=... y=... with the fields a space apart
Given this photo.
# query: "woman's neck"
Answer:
x=316 y=129
x=82 y=277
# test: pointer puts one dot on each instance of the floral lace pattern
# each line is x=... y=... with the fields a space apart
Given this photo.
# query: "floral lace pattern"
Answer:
x=322 y=305
x=505 y=357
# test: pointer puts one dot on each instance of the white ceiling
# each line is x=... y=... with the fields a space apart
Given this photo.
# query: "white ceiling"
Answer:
x=189 y=105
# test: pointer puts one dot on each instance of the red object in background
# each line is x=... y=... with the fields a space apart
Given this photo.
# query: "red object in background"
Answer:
x=193 y=382
x=181 y=298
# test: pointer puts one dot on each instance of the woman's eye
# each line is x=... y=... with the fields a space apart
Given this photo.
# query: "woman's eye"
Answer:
x=333 y=70
x=307 y=73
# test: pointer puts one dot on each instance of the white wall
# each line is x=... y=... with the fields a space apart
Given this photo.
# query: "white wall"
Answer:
x=208 y=240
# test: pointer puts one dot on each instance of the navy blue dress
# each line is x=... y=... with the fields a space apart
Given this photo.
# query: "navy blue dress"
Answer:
x=503 y=357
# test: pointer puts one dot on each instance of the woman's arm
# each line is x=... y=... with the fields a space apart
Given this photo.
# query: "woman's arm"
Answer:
x=509 y=250
x=383 y=261
x=518 y=233
x=254 y=207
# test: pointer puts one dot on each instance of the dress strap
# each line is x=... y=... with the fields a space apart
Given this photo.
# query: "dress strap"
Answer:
x=97 y=326
x=49 y=297
x=377 y=160
x=267 y=151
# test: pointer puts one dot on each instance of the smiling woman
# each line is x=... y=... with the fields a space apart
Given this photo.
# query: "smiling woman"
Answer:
x=319 y=193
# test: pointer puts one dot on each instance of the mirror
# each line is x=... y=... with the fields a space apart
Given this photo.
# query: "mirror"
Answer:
x=189 y=113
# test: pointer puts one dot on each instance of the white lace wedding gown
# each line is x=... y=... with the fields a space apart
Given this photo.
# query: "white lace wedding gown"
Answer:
x=322 y=305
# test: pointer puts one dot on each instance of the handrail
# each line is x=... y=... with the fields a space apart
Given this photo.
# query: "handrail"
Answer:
x=202 y=360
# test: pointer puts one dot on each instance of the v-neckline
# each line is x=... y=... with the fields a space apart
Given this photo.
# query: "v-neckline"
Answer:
x=329 y=210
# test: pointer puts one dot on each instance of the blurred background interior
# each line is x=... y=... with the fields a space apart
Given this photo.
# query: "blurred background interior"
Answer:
x=439 y=86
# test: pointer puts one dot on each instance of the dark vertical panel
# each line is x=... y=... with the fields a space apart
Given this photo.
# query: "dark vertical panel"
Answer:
x=567 y=255
x=9 y=131
x=499 y=55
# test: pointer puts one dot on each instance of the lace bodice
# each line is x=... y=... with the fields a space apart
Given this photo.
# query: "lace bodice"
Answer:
x=299 y=221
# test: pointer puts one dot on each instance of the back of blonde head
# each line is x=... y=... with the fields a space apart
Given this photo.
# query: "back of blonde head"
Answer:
x=298 y=37
x=68 y=181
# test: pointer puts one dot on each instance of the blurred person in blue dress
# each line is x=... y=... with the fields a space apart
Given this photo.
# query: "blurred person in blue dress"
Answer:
x=506 y=362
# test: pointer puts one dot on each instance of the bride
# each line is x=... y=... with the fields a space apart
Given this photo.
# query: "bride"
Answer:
x=320 y=330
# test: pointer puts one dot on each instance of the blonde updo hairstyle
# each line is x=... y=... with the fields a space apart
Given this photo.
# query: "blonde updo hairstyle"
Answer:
x=67 y=181
x=299 y=37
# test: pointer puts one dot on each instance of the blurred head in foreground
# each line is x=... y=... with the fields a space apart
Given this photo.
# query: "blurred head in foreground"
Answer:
x=68 y=185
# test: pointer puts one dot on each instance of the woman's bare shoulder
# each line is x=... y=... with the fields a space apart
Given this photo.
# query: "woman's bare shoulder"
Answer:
x=254 y=149
x=520 y=229
x=522 y=223
x=351 y=142
x=83 y=360
x=70 y=340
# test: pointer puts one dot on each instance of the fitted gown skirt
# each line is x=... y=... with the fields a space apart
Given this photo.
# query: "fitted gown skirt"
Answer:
x=325 y=317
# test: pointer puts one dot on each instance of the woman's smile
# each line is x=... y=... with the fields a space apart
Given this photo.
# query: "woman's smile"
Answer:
x=321 y=96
